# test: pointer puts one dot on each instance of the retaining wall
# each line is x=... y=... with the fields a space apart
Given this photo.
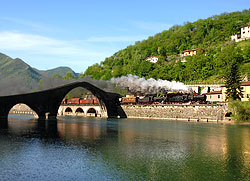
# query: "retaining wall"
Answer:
x=189 y=112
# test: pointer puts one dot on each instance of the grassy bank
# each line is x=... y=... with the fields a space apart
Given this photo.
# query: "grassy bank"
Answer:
x=240 y=111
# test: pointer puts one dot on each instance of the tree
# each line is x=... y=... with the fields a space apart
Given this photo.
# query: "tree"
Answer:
x=233 y=58
x=233 y=80
x=68 y=76
x=57 y=76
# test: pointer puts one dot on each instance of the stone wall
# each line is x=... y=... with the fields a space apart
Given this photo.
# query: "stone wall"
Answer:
x=188 y=112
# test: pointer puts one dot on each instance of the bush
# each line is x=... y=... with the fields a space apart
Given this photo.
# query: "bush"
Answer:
x=240 y=110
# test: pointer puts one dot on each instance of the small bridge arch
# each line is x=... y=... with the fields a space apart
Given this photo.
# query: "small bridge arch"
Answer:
x=91 y=110
x=79 y=110
x=21 y=108
x=68 y=109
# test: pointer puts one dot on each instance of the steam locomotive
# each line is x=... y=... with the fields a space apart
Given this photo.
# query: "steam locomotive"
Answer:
x=173 y=98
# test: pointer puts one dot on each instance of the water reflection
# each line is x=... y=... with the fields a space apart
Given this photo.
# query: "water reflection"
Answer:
x=128 y=149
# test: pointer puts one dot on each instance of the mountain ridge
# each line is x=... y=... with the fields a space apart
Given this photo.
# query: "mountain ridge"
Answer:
x=11 y=68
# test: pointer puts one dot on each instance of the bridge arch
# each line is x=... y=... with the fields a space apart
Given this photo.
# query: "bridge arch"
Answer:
x=79 y=110
x=108 y=101
x=22 y=108
x=68 y=109
x=76 y=101
x=92 y=112
x=47 y=102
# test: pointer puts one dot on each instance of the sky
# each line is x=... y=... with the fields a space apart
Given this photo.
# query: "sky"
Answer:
x=79 y=33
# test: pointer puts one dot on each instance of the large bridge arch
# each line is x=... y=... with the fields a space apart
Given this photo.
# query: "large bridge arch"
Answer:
x=48 y=102
x=107 y=100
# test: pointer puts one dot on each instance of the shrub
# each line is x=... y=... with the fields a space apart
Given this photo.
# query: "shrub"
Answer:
x=240 y=110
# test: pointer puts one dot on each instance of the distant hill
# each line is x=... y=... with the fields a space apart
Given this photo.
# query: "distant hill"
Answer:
x=18 y=77
x=11 y=68
x=57 y=71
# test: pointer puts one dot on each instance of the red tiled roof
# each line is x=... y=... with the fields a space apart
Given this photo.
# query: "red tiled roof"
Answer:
x=190 y=50
x=245 y=83
x=215 y=92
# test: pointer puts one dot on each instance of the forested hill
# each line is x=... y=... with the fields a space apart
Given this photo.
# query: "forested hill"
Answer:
x=18 y=75
x=213 y=35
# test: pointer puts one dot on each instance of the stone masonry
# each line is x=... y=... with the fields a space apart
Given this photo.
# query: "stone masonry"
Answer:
x=189 y=112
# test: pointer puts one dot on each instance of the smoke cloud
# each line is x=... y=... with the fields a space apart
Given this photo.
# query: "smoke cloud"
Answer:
x=149 y=86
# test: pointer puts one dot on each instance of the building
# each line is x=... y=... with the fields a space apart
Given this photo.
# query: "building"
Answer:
x=244 y=34
x=215 y=96
x=205 y=88
x=130 y=94
x=245 y=90
x=152 y=59
x=185 y=53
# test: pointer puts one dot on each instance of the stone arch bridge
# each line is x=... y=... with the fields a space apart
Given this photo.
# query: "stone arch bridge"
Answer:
x=82 y=110
x=46 y=103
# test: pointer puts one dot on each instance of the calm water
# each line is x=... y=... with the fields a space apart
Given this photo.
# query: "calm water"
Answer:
x=123 y=149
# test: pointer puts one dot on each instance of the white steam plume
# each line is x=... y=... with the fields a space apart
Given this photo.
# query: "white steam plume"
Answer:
x=152 y=86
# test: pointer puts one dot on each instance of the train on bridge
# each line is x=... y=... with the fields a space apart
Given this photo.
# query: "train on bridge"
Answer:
x=80 y=101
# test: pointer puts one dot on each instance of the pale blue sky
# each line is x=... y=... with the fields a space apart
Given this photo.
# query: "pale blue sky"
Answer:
x=51 y=33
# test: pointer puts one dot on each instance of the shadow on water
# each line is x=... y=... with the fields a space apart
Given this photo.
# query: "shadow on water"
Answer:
x=4 y=123
x=47 y=128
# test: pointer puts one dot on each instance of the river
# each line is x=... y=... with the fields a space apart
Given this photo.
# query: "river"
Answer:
x=76 y=148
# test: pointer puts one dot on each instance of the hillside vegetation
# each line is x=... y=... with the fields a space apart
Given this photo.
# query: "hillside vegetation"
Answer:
x=16 y=68
x=60 y=71
x=213 y=35
x=16 y=76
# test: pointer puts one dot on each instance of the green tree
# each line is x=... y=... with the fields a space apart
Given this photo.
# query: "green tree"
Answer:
x=233 y=58
x=68 y=76
x=57 y=76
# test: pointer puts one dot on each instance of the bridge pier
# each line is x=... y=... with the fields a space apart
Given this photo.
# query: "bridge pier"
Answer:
x=51 y=117
x=47 y=116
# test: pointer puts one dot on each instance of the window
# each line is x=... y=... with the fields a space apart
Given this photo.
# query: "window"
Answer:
x=218 y=96
x=247 y=95
x=243 y=96
x=210 y=96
